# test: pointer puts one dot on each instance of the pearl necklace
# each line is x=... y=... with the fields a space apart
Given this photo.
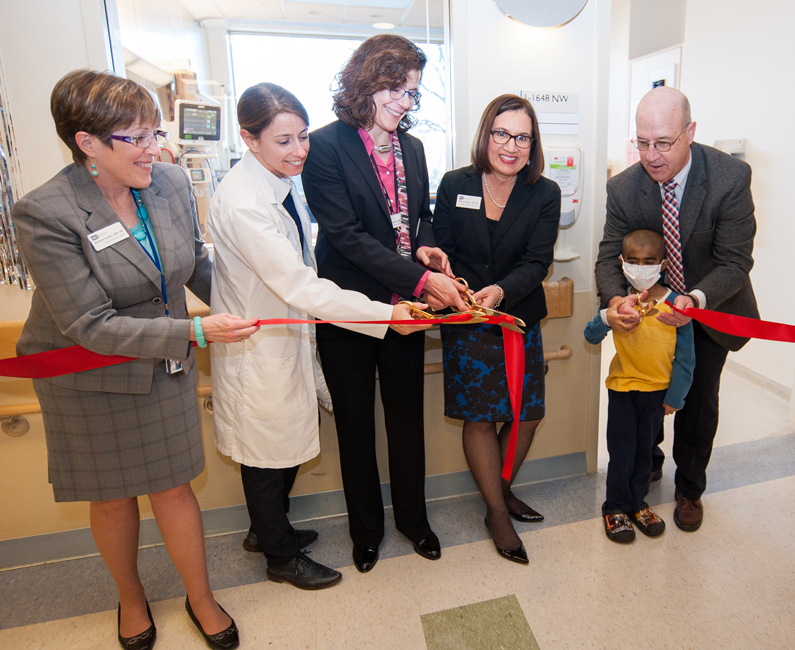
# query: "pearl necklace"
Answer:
x=486 y=183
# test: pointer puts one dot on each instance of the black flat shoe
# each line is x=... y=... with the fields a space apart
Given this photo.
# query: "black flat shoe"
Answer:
x=143 y=641
x=225 y=639
x=365 y=557
x=530 y=516
x=429 y=547
x=518 y=555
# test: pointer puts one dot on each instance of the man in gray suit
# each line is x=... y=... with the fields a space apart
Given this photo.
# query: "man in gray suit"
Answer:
x=700 y=199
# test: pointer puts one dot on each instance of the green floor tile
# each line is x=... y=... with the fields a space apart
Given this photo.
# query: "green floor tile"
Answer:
x=498 y=624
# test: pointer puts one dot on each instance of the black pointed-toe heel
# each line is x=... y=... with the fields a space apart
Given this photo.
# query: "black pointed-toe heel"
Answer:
x=518 y=555
x=225 y=639
x=143 y=641
x=531 y=516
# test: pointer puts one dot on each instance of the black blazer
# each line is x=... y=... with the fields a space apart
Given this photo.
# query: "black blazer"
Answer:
x=717 y=228
x=519 y=256
x=356 y=246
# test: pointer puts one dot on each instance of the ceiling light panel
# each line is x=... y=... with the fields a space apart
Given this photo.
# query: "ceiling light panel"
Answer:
x=252 y=10
x=314 y=11
x=368 y=15
x=379 y=4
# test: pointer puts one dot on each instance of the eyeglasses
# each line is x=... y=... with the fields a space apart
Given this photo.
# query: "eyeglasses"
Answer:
x=660 y=145
x=398 y=93
x=523 y=141
x=143 y=141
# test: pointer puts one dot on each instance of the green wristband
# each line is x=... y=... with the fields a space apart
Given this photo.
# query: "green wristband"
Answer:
x=199 y=332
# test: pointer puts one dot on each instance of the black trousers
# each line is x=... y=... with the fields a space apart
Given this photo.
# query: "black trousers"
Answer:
x=349 y=362
x=696 y=424
x=633 y=420
x=267 y=493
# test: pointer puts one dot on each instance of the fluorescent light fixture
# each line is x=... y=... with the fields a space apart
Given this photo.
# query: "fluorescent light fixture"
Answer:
x=384 y=25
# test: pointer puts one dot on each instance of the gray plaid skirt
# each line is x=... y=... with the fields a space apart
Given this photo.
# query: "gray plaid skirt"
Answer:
x=103 y=446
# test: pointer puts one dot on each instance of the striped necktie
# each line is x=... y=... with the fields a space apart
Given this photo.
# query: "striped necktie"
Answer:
x=673 y=244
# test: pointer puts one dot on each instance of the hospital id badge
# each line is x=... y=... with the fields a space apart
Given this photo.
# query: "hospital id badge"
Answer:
x=173 y=366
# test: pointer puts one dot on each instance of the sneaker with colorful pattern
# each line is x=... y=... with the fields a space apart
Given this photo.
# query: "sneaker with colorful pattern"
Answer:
x=618 y=526
x=648 y=522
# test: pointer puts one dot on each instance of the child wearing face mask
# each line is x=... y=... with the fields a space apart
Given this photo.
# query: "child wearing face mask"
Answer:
x=649 y=378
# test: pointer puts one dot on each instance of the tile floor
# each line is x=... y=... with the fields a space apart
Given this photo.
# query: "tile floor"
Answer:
x=729 y=585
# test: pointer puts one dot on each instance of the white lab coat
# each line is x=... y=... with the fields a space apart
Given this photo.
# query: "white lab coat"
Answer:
x=266 y=389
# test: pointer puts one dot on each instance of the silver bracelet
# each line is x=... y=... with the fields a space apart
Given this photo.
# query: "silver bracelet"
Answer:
x=502 y=295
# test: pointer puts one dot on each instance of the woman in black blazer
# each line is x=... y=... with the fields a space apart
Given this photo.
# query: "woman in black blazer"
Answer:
x=497 y=220
x=366 y=182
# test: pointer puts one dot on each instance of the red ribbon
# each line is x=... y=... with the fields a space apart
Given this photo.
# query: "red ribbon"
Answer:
x=751 y=328
x=65 y=361
x=513 y=343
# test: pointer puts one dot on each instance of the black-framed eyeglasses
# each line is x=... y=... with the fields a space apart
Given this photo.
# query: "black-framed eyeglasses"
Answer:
x=660 y=145
x=523 y=141
x=398 y=93
x=143 y=141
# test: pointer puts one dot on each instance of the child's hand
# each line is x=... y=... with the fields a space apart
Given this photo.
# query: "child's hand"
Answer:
x=669 y=410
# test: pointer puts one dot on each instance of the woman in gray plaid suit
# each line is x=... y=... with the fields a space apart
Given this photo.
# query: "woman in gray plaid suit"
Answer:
x=111 y=242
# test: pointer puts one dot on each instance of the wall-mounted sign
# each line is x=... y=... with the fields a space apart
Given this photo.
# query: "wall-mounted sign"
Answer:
x=557 y=112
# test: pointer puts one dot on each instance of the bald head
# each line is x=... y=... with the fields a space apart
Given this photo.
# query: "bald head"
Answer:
x=663 y=122
x=665 y=100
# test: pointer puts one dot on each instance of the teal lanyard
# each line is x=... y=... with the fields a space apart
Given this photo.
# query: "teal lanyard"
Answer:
x=139 y=207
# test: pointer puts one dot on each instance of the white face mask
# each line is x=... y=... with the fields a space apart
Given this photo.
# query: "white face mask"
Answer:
x=642 y=277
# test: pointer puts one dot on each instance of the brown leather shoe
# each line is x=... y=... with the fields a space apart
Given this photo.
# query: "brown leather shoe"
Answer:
x=688 y=513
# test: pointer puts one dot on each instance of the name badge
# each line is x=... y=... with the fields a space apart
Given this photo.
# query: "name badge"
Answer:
x=396 y=219
x=468 y=202
x=107 y=236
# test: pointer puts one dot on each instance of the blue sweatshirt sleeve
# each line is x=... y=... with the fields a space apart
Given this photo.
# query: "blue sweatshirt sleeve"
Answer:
x=683 y=364
x=596 y=330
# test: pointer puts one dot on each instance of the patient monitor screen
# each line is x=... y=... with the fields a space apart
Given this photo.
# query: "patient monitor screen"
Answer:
x=198 y=122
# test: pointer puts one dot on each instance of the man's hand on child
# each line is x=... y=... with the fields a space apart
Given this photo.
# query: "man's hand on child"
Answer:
x=675 y=319
x=621 y=312
x=669 y=410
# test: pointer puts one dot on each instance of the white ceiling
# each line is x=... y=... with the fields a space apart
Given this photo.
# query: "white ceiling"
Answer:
x=293 y=13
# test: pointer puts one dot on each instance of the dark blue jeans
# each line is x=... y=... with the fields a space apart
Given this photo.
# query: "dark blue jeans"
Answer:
x=633 y=421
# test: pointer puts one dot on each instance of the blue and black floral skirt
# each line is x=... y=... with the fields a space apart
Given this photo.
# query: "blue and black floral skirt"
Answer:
x=475 y=383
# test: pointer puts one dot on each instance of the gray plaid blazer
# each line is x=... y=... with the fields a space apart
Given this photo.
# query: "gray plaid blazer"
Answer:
x=110 y=301
x=717 y=228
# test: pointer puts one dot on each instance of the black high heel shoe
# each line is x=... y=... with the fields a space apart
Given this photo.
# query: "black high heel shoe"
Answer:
x=143 y=641
x=531 y=516
x=225 y=639
x=518 y=555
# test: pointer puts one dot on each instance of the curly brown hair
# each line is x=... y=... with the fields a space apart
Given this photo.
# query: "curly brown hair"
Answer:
x=480 y=145
x=381 y=62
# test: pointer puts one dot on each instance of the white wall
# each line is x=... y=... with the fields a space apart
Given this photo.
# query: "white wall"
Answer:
x=40 y=41
x=656 y=25
x=737 y=68
x=618 y=117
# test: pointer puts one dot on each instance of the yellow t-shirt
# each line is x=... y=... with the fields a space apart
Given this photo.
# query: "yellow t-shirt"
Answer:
x=644 y=356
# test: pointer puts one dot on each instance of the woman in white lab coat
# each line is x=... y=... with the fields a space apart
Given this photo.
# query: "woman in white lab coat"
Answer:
x=266 y=389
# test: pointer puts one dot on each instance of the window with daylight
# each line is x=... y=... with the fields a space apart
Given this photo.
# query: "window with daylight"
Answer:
x=307 y=67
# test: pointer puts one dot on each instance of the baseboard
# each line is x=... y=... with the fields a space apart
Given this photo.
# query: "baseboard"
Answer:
x=760 y=380
x=71 y=544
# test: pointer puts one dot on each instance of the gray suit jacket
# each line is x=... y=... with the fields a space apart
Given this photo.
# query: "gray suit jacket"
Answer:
x=717 y=228
x=110 y=301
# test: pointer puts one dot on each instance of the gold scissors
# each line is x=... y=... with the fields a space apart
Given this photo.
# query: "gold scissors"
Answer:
x=469 y=299
x=419 y=314
x=647 y=309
